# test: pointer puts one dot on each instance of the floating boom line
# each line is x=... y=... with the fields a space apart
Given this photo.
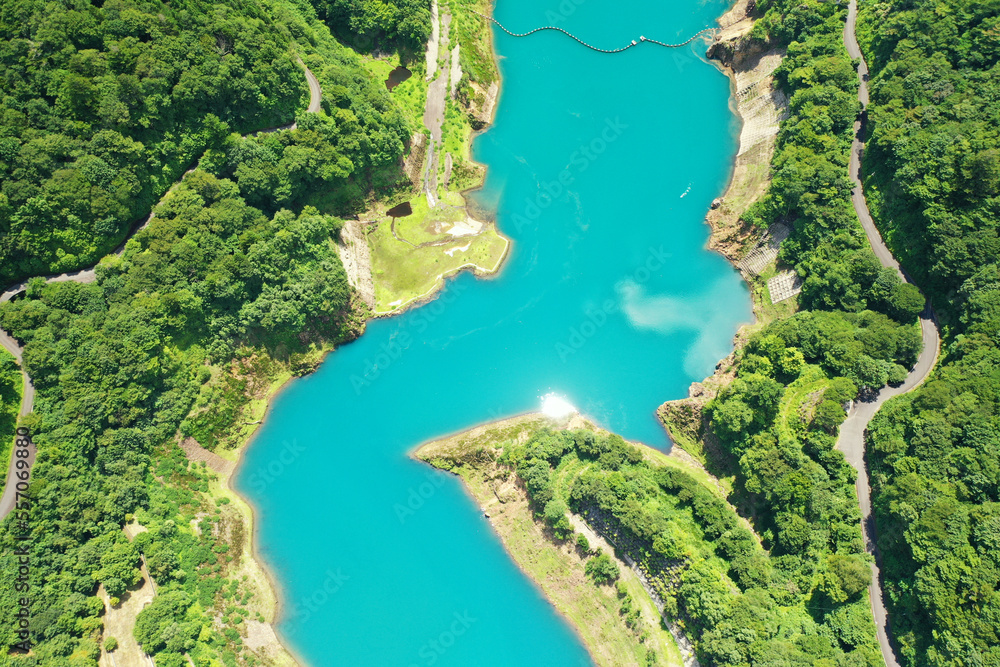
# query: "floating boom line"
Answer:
x=591 y=46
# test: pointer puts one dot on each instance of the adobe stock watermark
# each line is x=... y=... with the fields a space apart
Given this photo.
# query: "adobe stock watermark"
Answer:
x=565 y=9
x=264 y=474
x=579 y=161
x=432 y=650
x=683 y=56
x=595 y=317
x=392 y=351
x=417 y=496
x=302 y=610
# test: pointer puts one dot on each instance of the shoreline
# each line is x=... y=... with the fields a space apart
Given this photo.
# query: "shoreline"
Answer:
x=250 y=513
x=730 y=44
x=249 y=510
x=478 y=271
x=277 y=592
x=734 y=54
x=516 y=420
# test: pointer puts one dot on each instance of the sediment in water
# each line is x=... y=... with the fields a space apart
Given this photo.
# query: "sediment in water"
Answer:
x=750 y=64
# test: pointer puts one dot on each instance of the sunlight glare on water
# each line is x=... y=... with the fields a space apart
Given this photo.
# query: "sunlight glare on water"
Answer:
x=608 y=303
x=557 y=407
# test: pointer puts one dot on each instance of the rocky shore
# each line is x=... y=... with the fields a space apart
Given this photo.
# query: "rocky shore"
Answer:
x=750 y=63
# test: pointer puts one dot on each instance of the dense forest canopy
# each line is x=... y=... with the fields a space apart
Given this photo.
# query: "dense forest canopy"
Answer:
x=934 y=175
x=801 y=603
x=379 y=24
x=935 y=135
x=329 y=160
x=103 y=108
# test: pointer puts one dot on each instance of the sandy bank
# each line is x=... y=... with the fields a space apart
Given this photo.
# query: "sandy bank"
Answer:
x=261 y=638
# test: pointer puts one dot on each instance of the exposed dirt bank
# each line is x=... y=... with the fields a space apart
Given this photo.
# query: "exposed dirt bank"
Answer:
x=750 y=64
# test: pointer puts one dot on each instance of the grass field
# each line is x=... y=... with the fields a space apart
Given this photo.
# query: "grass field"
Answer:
x=426 y=224
x=404 y=274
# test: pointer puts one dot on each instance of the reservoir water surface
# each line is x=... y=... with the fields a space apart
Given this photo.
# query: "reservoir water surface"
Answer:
x=601 y=168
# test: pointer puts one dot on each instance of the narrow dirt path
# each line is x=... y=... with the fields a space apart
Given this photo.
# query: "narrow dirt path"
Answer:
x=435 y=106
x=89 y=275
x=852 y=433
x=684 y=645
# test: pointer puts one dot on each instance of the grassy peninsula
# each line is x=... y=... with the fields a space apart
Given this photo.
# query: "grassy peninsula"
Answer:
x=616 y=620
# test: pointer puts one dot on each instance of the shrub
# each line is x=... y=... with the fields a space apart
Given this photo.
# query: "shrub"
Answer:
x=602 y=569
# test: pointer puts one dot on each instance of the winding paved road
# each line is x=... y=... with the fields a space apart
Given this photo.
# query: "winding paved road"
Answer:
x=89 y=275
x=315 y=92
x=852 y=433
x=8 y=342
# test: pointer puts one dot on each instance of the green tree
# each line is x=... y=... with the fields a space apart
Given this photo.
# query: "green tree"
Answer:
x=846 y=577
x=159 y=624
x=118 y=571
x=602 y=569
x=829 y=416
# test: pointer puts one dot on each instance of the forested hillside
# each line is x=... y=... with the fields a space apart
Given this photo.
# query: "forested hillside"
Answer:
x=934 y=172
x=235 y=282
x=739 y=604
x=810 y=187
x=774 y=426
x=118 y=365
x=103 y=106
x=378 y=25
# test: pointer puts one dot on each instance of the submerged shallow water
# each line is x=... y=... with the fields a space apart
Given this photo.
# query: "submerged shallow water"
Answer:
x=601 y=169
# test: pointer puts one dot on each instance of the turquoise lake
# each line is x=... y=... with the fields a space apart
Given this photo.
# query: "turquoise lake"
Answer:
x=608 y=298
